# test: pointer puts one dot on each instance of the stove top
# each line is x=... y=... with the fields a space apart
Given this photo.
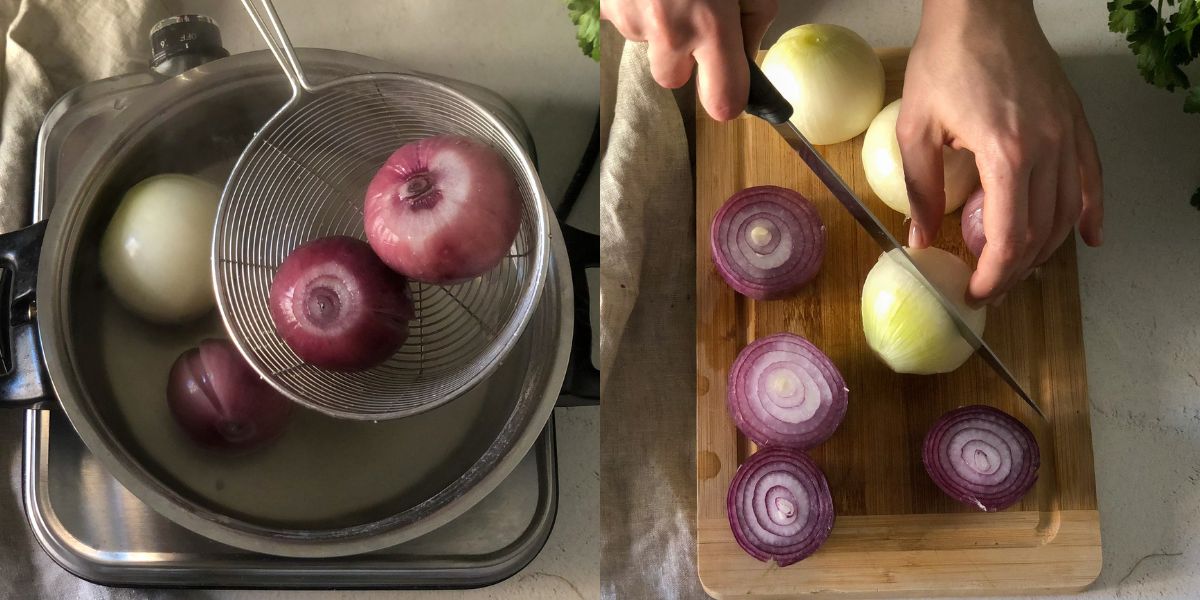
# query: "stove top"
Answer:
x=93 y=527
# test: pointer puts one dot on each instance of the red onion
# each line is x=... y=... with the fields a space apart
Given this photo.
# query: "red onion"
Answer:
x=982 y=457
x=779 y=506
x=767 y=242
x=443 y=209
x=972 y=222
x=783 y=391
x=338 y=307
x=220 y=402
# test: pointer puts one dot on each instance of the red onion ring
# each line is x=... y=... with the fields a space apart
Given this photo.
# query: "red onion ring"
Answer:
x=779 y=505
x=767 y=242
x=981 y=457
x=972 y=223
x=783 y=391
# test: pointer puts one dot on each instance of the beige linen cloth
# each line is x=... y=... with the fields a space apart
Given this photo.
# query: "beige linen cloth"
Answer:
x=647 y=344
x=50 y=46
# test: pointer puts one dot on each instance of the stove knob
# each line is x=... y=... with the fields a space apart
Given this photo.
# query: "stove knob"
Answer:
x=184 y=42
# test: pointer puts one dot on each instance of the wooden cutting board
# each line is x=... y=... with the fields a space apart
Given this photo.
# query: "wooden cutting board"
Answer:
x=895 y=533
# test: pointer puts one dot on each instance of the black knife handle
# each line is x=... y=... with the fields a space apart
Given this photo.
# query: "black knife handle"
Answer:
x=765 y=101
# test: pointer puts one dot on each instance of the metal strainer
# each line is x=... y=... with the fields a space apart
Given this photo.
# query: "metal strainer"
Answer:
x=303 y=177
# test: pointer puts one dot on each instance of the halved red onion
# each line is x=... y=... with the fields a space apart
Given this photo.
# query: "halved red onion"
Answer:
x=972 y=223
x=783 y=391
x=982 y=457
x=779 y=505
x=767 y=242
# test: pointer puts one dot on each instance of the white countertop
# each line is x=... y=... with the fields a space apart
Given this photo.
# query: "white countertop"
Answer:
x=525 y=50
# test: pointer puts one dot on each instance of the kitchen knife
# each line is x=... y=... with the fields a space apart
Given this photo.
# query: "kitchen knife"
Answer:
x=768 y=104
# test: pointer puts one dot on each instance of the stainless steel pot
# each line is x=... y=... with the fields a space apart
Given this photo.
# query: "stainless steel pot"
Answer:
x=327 y=487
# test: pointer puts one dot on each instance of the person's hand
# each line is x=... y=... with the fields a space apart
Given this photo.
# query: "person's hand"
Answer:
x=982 y=76
x=717 y=35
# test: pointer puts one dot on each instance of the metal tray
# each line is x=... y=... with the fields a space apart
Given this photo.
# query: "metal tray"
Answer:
x=99 y=531
x=96 y=529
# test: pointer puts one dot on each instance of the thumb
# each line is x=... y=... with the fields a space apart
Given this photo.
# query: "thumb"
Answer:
x=924 y=175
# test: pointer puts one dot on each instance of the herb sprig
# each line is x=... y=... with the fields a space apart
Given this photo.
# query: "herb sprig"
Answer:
x=585 y=14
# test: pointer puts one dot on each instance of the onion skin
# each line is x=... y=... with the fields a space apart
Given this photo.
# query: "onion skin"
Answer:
x=906 y=326
x=221 y=403
x=982 y=457
x=338 y=307
x=783 y=391
x=792 y=245
x=443 y=209
x=832 y=78
x=787 y=521
x=884 y=166
x=972 y=223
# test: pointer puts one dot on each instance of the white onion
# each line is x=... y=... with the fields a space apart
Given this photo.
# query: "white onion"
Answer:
x=831 y=76
x=885 y=171
x=156 y=251
x=906 y=325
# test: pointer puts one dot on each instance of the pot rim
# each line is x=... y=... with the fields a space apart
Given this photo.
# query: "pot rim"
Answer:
x=59 y=252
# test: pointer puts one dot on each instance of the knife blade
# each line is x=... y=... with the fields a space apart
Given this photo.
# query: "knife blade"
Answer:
x=766 y=103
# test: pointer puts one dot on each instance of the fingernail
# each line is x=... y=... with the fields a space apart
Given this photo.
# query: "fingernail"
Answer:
x=916 y=238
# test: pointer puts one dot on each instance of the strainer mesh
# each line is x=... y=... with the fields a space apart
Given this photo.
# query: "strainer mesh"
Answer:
x=303 y=177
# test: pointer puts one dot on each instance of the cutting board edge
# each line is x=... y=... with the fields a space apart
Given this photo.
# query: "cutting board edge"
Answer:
x=1078 y=555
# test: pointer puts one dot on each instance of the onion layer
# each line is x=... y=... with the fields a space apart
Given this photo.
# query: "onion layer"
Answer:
x=767 y=242
x=972 y=223
x=783 y=391
x=884 y=167
x=831 y=76
x=905 y=325
x=779 y=505
x=981 y=457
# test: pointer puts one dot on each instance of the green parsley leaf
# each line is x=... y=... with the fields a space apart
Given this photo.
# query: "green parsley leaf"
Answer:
x=1196 y=199
x=585 y=14
x=1125 y=15
x=1155 y=64
x=1191 y=102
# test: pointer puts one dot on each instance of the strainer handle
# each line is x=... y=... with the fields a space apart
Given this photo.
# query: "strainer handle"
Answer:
x=266 y=20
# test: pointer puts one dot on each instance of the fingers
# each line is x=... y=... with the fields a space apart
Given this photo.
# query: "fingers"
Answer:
x=671 y=67
x=756 y=18
x=723 y=77
x=1091 y=183
x=924 y=174
x=1006 y=184
x=682 y=36
x=1067 y=207
x=1043 y=209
